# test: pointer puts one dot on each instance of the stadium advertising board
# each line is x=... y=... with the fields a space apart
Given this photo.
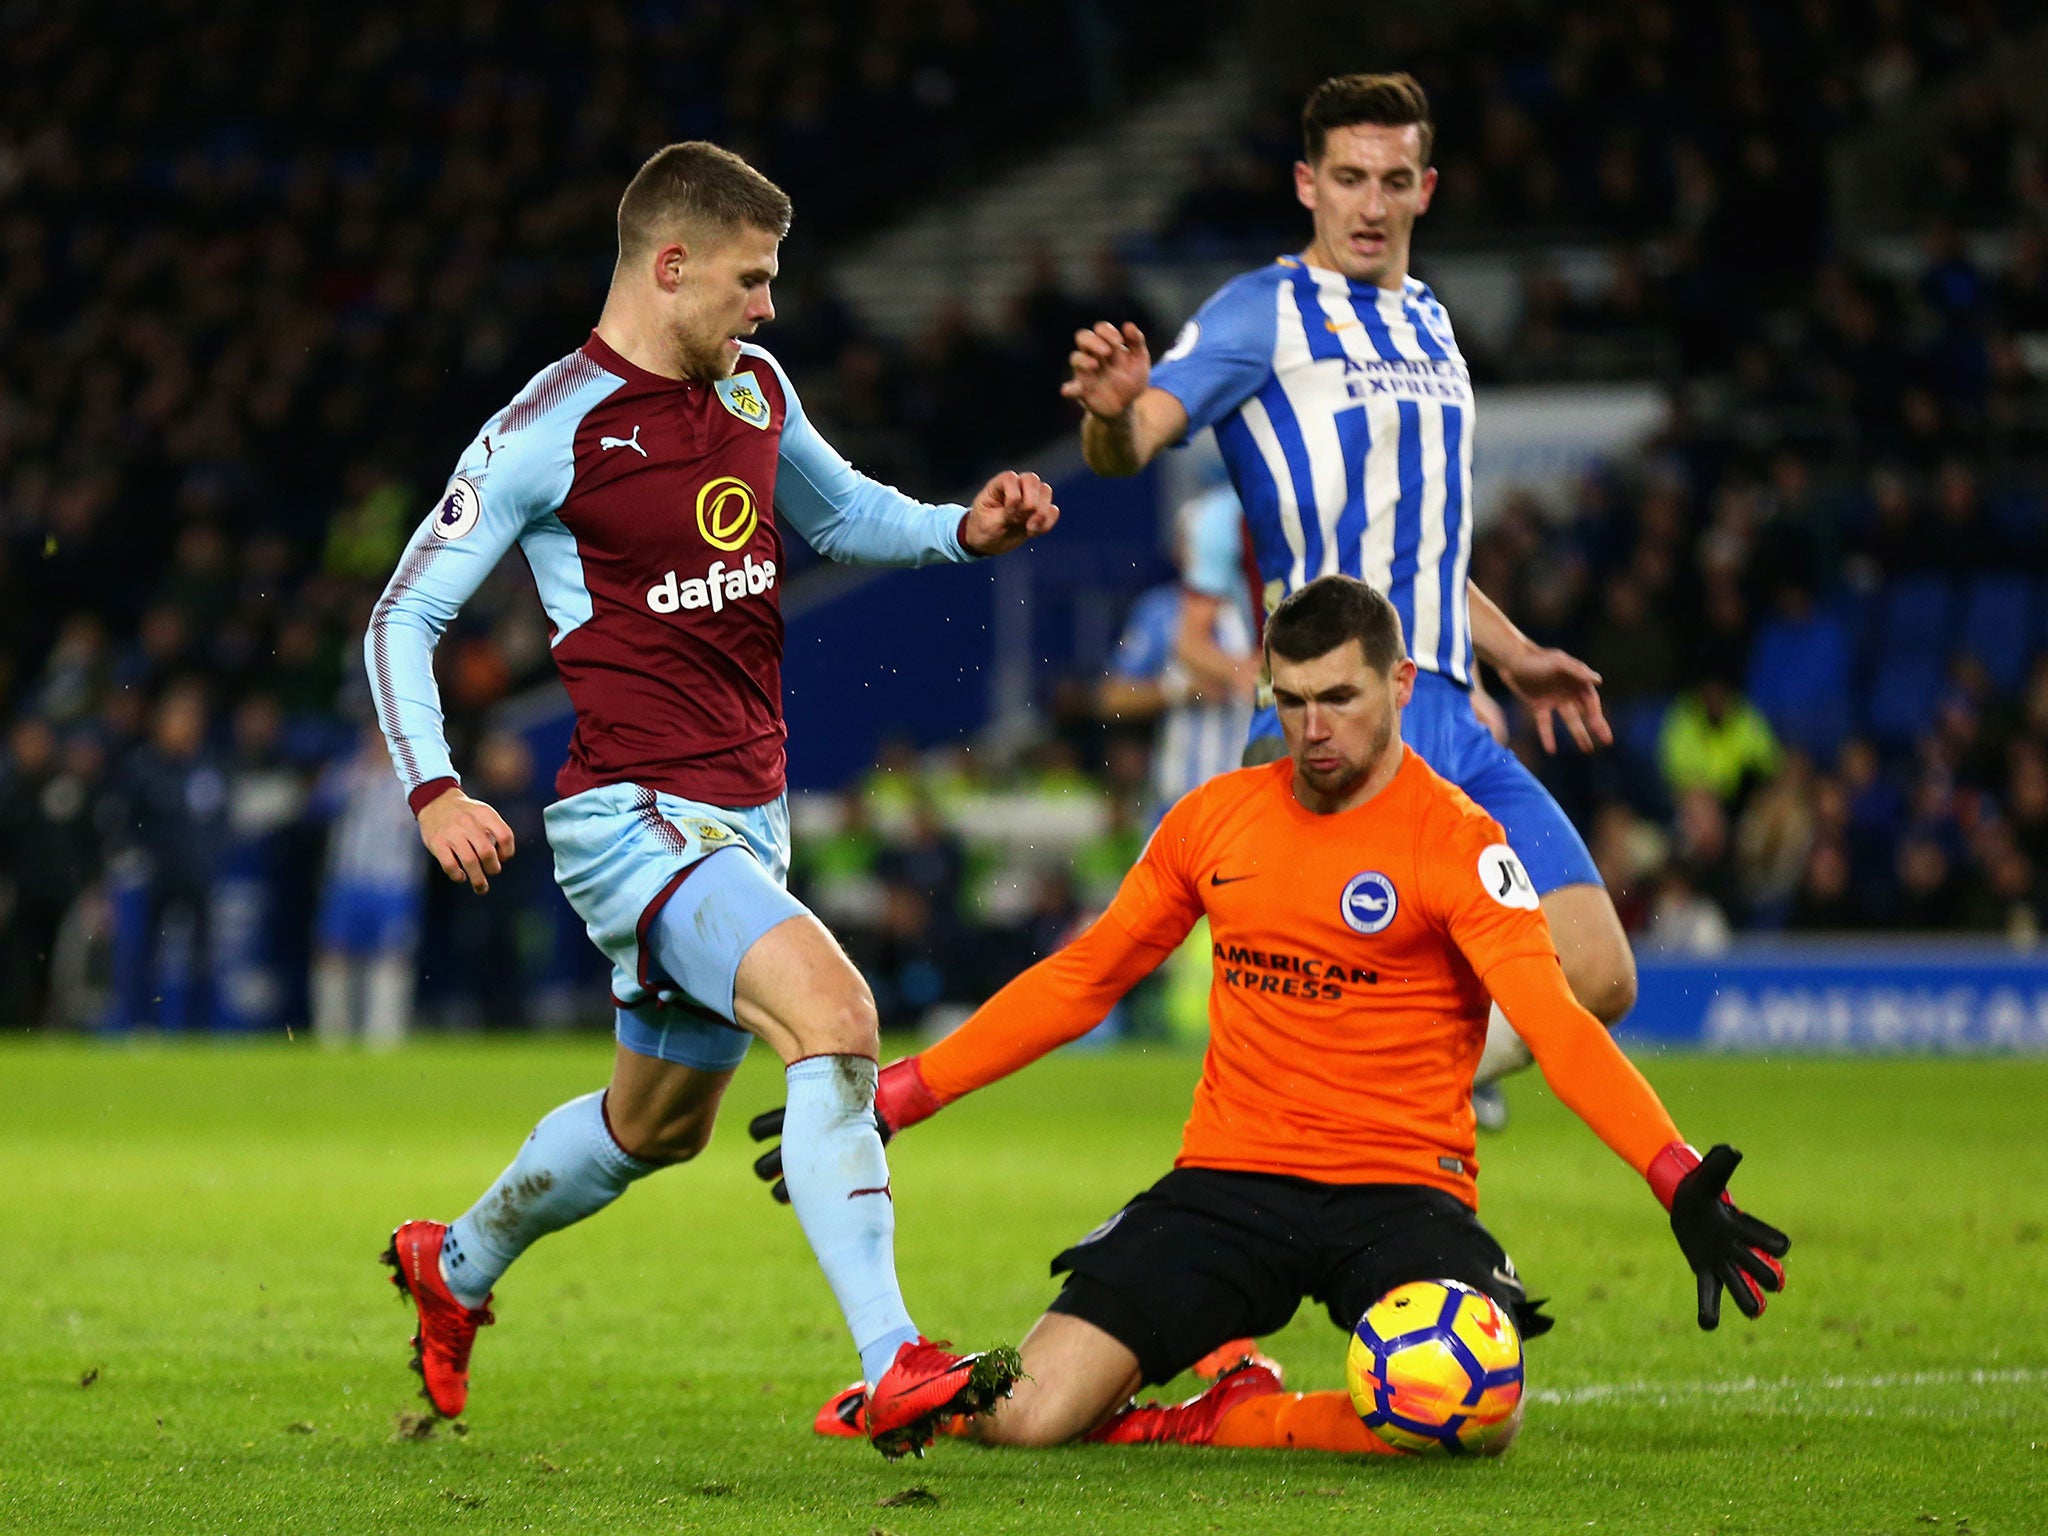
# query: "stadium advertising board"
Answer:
x=1846 y=997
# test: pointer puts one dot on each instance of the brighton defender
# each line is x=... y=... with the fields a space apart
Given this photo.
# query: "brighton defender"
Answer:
x=641 y=476
x=1344 y=413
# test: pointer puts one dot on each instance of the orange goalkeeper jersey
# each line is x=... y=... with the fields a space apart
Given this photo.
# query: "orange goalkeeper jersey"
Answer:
x=1352 y=959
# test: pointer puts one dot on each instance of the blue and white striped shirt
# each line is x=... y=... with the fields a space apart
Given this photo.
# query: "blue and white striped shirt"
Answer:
x=1344 y=414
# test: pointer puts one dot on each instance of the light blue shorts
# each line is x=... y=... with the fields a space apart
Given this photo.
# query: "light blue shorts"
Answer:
x=1439 y=724
x=674 y=892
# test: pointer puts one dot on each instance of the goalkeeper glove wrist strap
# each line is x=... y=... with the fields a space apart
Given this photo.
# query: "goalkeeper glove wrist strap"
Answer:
x=1667 y=1168
x=903 y=1097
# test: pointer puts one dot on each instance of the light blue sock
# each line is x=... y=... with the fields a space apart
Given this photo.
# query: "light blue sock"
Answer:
x=569 y=1168
x=839 y=1187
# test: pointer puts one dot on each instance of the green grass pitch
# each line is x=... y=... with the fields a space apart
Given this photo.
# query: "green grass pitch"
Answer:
x=195 y=1335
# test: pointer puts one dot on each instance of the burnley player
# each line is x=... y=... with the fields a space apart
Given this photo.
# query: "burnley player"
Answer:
x=1361 y=912
x=640 y=476
x=1344 y=413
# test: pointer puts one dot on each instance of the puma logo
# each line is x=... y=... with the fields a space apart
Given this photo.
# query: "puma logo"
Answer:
x=633 y=442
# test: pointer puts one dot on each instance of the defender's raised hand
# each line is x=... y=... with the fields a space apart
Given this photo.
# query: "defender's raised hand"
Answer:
x=467 y=838
x=1727 y=1248
x=1111 y=368
x=1011 y=509
x=1557 y=685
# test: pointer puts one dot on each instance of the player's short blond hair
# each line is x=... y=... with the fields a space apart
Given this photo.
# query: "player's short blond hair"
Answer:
x=1330 y=610
x=1392 y=101
x=695 y=186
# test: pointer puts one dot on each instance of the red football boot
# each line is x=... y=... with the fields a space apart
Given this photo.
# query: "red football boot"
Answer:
x=925 y=1386
x=447 y=1327
x=1192 y=1422
x=1225 y=1358
x=844 y=1416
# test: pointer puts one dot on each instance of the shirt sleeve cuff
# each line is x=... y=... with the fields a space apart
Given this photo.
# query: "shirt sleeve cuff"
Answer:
x=1182 y=401
x=1668 y=1167
x=429 y=792
x=903 y=1096
x=960 y=537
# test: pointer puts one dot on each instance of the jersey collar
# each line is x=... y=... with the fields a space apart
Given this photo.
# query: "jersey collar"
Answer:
x=601 y=352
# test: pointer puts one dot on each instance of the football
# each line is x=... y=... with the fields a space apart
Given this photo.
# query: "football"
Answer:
x=1435 y=1368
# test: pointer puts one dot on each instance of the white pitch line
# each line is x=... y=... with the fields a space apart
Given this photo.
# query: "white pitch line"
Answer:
x=1747 y=1386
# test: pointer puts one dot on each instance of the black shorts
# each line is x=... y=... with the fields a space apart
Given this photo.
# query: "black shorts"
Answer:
x=1208 y=1255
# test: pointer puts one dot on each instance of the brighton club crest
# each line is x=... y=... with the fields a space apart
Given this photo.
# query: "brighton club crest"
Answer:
x=1369 y=902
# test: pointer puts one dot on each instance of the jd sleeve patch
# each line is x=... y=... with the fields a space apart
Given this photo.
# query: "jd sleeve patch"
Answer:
x=1505 y=879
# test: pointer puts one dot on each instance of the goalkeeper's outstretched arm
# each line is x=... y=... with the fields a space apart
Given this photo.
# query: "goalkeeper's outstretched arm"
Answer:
x=1067 y=994
x=1726 y=1248
x=1057 y=1000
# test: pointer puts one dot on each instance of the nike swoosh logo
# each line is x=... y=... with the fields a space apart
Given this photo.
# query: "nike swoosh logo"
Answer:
x=1340 y=325
x=1217 y=878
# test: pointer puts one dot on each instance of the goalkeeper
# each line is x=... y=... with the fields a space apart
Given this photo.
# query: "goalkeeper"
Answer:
x=1364 y=913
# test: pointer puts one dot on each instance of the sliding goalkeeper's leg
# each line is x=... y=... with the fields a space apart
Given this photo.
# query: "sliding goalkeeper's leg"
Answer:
x=1247 y=1409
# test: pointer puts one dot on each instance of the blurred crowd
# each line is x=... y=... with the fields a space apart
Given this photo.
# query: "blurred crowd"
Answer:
x=932 y=415
x=1818 y=599
x=1815 y=729
x=262 y=272
x=945 y=874
x=1632 y=119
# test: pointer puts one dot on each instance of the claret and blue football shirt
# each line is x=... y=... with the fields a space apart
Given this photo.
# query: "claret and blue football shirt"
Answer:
x=646 y=507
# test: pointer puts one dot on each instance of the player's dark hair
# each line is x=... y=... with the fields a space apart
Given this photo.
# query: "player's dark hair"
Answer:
x=1392 y=101
x=701 y=184
x=1327 y=612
